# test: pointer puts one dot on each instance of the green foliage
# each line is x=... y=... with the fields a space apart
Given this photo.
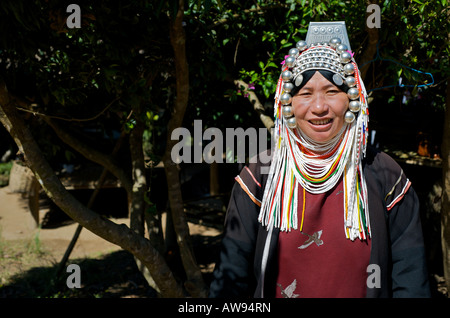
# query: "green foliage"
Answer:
x=119 y=60
x=250 y=39
x=5 y=168
x=121 y=57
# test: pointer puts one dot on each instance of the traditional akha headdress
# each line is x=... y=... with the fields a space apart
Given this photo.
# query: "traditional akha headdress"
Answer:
x=317 y=167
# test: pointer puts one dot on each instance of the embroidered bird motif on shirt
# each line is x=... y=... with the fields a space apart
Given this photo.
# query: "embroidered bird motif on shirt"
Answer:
x=315 y=238
x=288 y=292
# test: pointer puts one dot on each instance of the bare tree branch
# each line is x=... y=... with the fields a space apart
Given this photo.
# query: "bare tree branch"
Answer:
x=70 y=119
x=257 y=106
x=92 y=154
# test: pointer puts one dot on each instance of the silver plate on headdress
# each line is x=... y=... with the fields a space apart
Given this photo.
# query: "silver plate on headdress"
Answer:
x=320 y=32
x=337 y=79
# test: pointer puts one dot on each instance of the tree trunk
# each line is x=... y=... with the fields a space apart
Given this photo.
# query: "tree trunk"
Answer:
x=108 y=230
x=195 y=284
x=445 y=210
x=214 y=187
x=137 y=204
x=139 y=188
x=371 y=47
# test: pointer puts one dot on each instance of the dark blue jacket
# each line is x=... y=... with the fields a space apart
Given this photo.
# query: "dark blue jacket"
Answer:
x=247 y=266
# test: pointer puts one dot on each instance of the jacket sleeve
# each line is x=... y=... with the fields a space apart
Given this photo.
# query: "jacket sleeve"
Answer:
x=409 y=273
x=233 y=274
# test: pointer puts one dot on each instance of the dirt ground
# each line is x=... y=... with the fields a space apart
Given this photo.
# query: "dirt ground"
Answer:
x=30 y=256
x=17 y=224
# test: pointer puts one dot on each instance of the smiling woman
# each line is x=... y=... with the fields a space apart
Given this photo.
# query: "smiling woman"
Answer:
x=330 y=210
x=322 y=134
x=319 y=107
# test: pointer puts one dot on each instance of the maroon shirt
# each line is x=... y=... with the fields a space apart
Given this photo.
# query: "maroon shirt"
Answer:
x=320 y=261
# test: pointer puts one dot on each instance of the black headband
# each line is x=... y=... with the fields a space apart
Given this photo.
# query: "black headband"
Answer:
x=330 y=76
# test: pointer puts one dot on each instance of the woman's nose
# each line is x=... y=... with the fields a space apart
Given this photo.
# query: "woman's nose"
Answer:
x=319 y=106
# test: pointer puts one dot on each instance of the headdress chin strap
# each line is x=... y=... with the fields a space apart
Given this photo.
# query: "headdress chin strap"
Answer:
x=294 y=153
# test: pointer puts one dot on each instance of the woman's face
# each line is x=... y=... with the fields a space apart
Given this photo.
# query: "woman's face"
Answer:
x=319 y=108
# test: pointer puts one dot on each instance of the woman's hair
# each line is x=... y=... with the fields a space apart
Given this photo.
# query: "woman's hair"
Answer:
x=327 y=74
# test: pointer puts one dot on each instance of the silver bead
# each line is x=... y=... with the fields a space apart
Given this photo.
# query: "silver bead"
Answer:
x=301 y=45
x=334 y=42
x=353 y=93
x=349 y=69
x=293 y=52
x=288 y=87
x=345 y=57
x=286 y=75
x=290 y=61
x=350 y=81
x=285 y=99
x=341 y=48
x=349 y=117
x=291 y=122
x=287 y=111
x=354 y=106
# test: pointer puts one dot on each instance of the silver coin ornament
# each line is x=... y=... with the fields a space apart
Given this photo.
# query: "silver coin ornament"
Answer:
x=286 y=75
x=290 y=61
x=337 y=79
x=299 y=80
x=354 y=106
x=350 y=81
x=349 y=117
x=291 y=122
x=341 y=48
x=288 y=87
x=301 y=45
x=345 y=57
x=287 y=111
x=334 y=42
x=285 y=99
x=293 y=52
x=353 y=93
x=349 y=69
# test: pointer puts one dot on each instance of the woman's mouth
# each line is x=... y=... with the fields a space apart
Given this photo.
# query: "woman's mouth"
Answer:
x=321 y=122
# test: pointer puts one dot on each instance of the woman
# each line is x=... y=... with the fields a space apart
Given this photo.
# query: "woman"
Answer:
x=332 y=218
